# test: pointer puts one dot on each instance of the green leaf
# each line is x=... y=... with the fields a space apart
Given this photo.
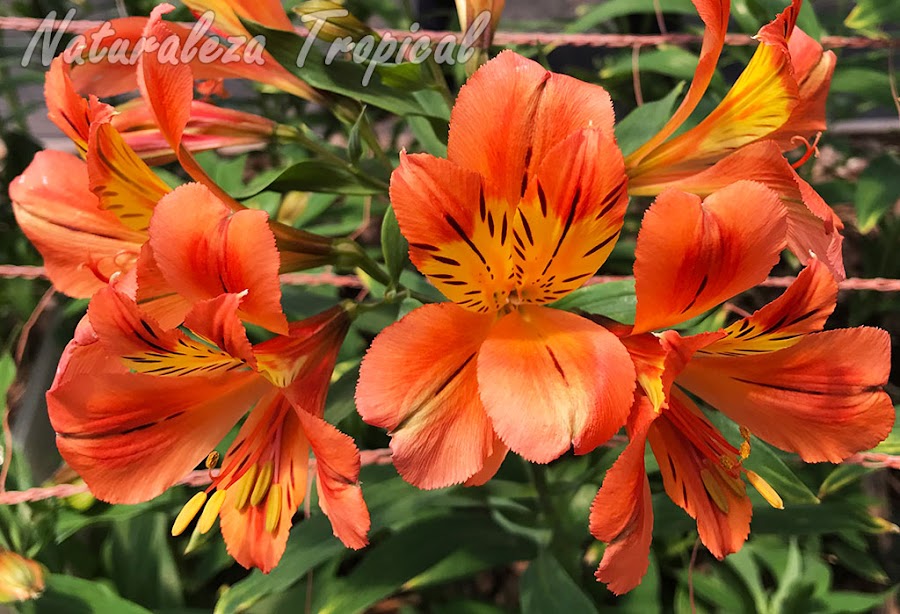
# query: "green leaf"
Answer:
x=613 y=299
x=78 y=596
x=871 y=16
x=431 y=134
x=611 y=9
x=546 y=587
x=876 y=192
x=858 y=562
x=140 y=561
x=394 y=245
x=404 y=559
x=829 y=516
x=349 y=78
x=849 y=602
x=673 y=62
x=789 y=578
x=310 y=544
x=315 y=175
x=637 y=127
x=841 y=477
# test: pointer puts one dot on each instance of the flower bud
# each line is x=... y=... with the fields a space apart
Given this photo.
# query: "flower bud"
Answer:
x=329 y=20
x=21 y=579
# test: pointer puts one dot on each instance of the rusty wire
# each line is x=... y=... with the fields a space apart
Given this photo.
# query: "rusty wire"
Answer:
x=875 y=284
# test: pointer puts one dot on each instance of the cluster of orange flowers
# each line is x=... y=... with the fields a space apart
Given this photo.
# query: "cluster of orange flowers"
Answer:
x=526 y=207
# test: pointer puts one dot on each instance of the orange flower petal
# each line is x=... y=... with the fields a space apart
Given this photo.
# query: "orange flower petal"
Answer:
x=659 y=359
x=813 y=70
x=551 y=379
x=418 y=381
x=458 y=235
x=65 y=108
x=153 y=293
x=168 y=89
x=714 y=14
x=812 y=227
x=802 y=309
x=269 y=13
x=337 y=480
x=691 y=256
x=131 y=436
x=204 y=250
x=82 y=245
x=122 y=182
x=820 y=398
x=716 y=500
x=512 y=112
x=301 y=362
x=622 y=512
x=145 y=347
x=491 y=464
x=256 y=534
x=570 y=218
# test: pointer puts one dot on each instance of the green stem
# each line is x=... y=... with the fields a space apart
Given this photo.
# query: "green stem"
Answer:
x=559 y=544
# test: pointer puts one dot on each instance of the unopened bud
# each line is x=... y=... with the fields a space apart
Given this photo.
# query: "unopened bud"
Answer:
x=330 y=21
x=21 y=579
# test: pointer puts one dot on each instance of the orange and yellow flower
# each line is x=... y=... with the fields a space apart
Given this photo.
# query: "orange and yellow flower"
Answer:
x=136 y=406
x=525 y=209
x=777 y=102
x=92 y=219
x=774 y=373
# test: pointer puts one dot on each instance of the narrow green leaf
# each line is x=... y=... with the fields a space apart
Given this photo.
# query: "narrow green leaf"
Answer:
x=637 y=127
x=841 y=477
x=71 y=594
x=310 y=544
x=859 y=562
x=611 y=9
x=318 y=176
x=876 y=192
x=614 y=300
x=546 y=587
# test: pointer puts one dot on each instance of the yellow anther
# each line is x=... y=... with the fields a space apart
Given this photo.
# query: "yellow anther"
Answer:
x=211 y=511
x=273 y=508
x=187 y=513
x=745 y=450
x=262 y=483
x=727 y=462
x=714 y=489
x=745 y=433
x=765 y=489
x=245 y=487
x=212 y=460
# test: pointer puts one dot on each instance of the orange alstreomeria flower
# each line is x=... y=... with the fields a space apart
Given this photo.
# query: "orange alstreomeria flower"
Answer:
x=137 y=406
x=774 y=373
x=91 y=219
x=525 y=209
x=777 y=102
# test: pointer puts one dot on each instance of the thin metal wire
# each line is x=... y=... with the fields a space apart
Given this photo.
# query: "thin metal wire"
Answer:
x=875 y=284
x=201 y=477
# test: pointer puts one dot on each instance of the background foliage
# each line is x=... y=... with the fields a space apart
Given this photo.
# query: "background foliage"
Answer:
x=519 y=543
